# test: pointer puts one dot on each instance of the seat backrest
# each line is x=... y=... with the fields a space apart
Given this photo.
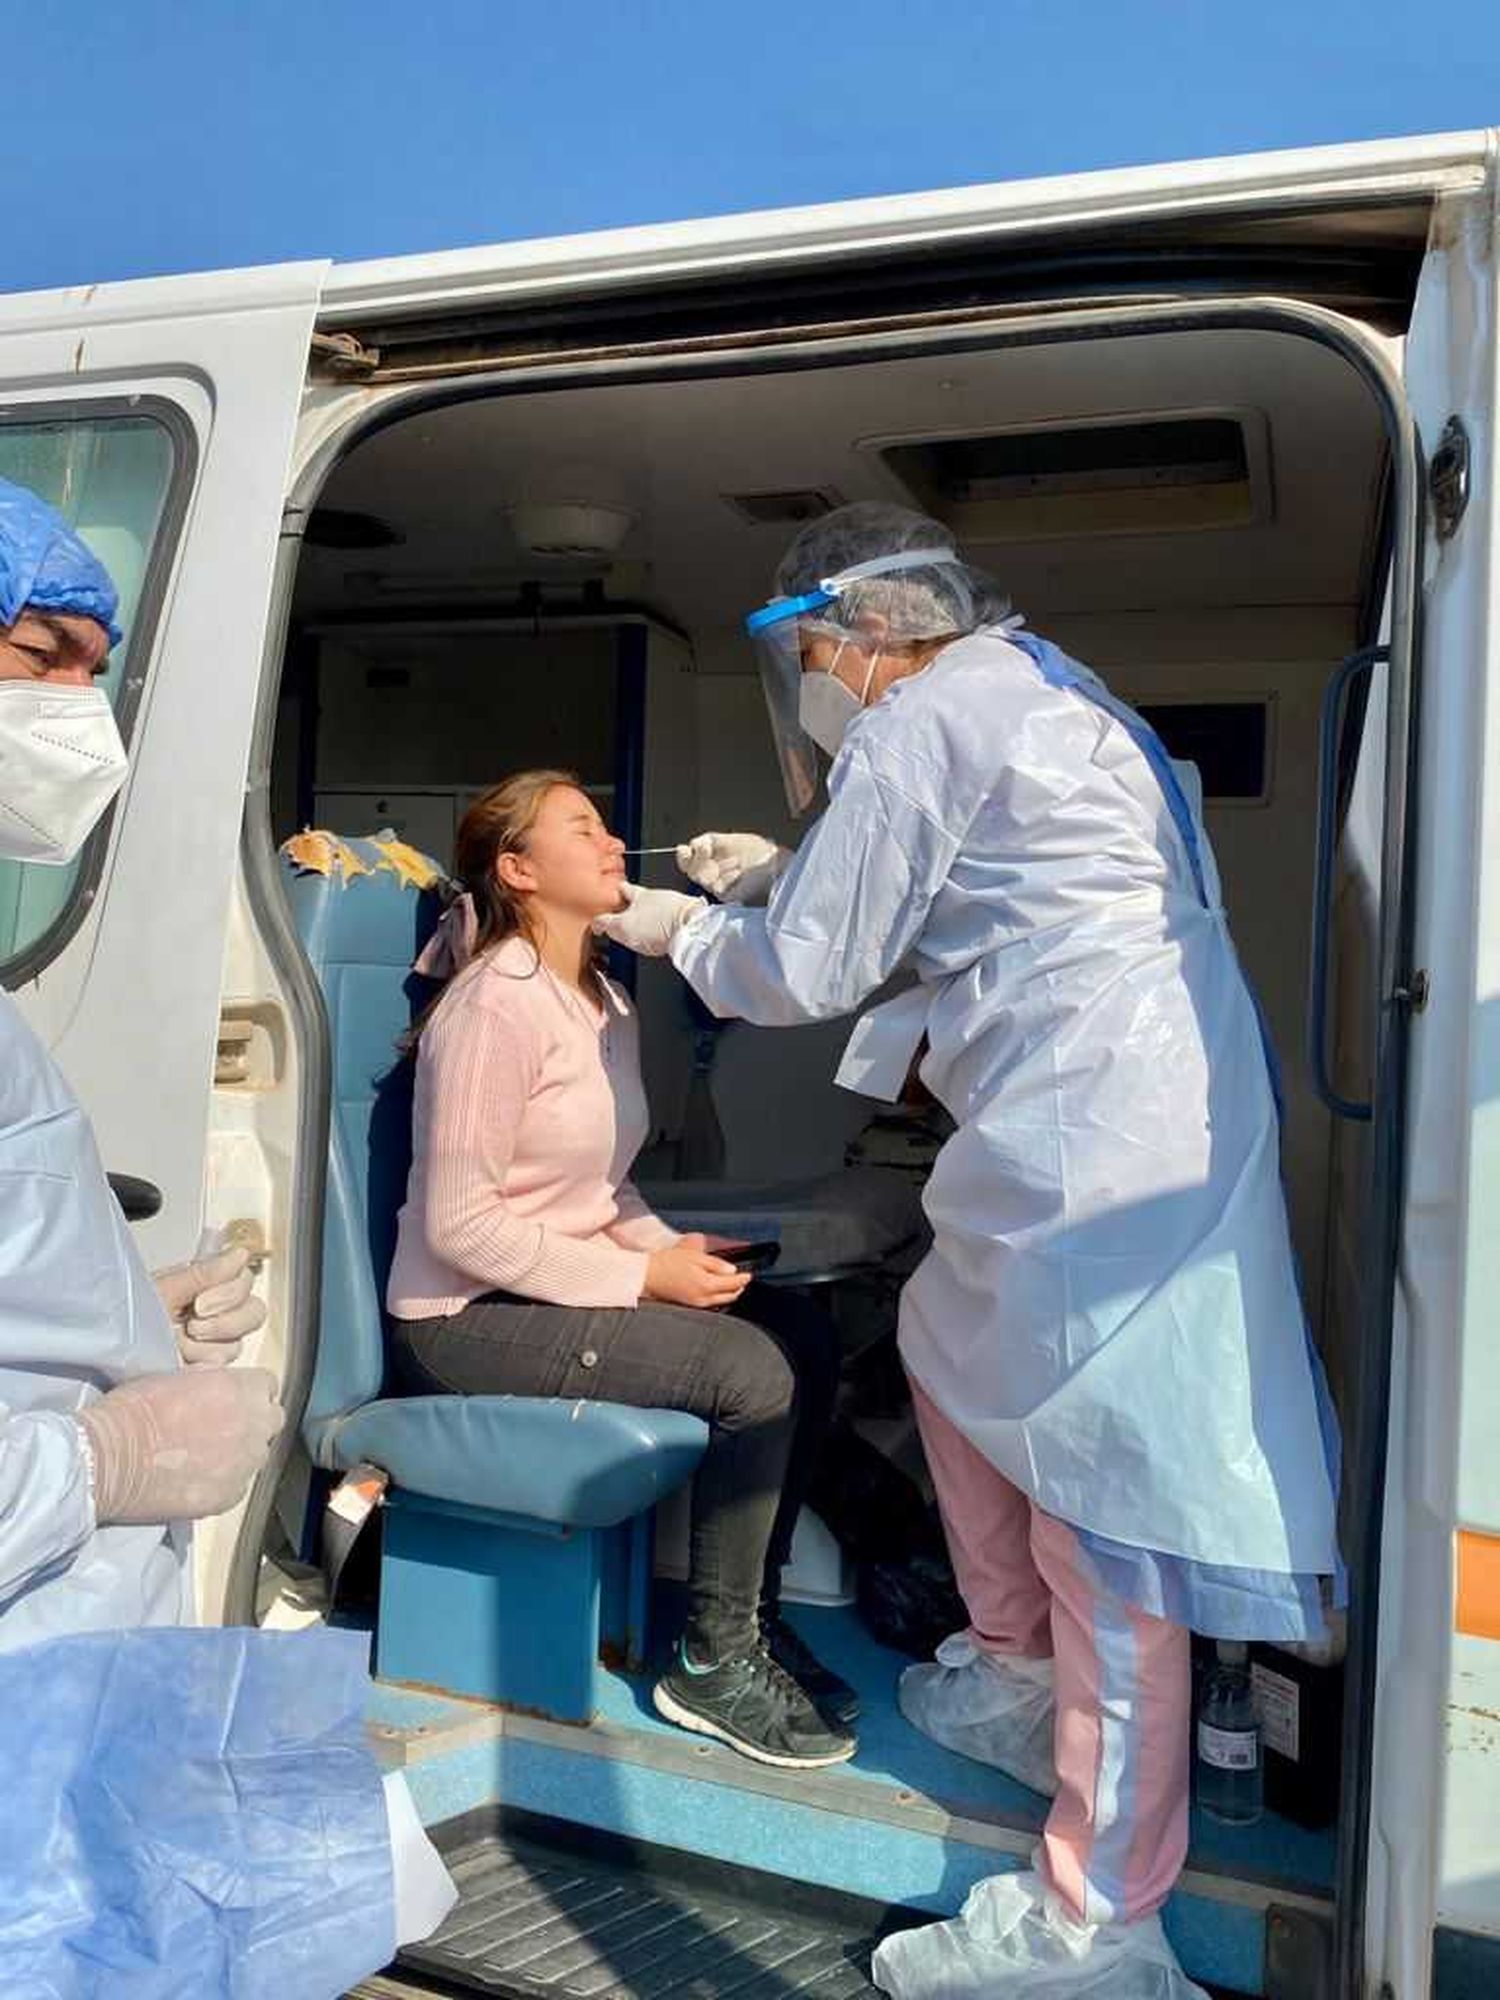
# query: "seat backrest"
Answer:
x=363 y=910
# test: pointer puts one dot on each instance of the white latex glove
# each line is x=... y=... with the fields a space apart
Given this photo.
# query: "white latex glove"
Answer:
x=180 y=1447
x=735 y=867
x=212 y=1305
x=650 y=920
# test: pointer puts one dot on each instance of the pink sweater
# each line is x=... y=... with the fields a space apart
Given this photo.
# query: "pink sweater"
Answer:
x=529 y=1111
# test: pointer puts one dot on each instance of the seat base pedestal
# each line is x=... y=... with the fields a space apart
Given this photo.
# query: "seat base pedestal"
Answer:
x=512 y=1610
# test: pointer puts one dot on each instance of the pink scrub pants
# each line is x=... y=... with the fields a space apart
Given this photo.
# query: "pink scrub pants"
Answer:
x=1116 y=1838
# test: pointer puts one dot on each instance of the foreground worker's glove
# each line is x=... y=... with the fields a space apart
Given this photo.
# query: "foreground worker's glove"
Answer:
x=650 y=920
x=212 y=1305
x=179 y=1447
x=735 y=867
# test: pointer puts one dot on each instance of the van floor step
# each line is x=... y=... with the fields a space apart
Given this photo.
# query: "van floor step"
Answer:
x=548 y=1910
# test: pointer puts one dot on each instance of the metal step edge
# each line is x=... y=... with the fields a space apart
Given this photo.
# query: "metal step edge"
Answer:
x=850 y=1797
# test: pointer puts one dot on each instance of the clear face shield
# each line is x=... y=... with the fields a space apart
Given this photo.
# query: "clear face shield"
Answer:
x=778 y=631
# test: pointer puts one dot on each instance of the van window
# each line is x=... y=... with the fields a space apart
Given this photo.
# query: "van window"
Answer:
x=111 y=476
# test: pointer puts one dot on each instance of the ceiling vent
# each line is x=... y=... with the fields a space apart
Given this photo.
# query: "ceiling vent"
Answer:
x=788 y=508
x=1140 y=475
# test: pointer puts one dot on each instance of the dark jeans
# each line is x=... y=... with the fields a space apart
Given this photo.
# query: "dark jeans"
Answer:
x=763 y=1379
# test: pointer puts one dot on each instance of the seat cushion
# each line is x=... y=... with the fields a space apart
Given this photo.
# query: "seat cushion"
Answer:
x=585 y=1465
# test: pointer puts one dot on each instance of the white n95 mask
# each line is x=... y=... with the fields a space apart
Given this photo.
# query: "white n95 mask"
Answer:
x=61 y=762
x=825 y=707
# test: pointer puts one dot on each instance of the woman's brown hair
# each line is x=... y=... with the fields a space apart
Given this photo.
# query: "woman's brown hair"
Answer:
x=497 y=823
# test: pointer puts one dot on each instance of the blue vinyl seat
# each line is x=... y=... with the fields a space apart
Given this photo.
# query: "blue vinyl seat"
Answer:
x=517 y=1534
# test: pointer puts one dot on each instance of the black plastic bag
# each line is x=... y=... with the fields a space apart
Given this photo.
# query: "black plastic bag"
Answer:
x=870 y=1507
x=904 y=1584
x=910 y=1605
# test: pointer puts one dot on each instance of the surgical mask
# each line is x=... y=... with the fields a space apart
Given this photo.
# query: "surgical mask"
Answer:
x=826 y=707
x=61 y=762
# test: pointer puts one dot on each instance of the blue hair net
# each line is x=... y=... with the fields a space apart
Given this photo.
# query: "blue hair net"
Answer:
x=47 y=565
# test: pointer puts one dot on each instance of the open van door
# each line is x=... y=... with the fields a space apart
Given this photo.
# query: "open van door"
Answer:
x=1427 y=1880
x=159 y=417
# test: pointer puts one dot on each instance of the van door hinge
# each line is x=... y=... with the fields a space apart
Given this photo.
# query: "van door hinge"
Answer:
x=1448 y=479
x=342 y=357
x=1414 y=995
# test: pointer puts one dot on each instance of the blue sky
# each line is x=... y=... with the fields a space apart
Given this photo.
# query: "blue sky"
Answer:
x=169 y=135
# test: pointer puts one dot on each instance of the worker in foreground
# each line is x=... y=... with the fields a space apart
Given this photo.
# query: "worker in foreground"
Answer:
x=189 y=1811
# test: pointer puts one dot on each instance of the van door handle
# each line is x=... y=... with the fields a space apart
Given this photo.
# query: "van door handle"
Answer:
x=139 y=1200
x=1330 y=725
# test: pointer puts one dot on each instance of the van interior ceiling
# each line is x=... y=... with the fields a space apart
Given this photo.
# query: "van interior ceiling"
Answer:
x=1196 y=515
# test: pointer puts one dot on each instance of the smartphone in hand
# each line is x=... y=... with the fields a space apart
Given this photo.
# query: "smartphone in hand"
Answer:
x=750 y=1256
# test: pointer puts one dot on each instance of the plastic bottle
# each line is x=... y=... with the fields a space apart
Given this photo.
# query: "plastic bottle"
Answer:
x=1298 y=1688
x=1230 y=1775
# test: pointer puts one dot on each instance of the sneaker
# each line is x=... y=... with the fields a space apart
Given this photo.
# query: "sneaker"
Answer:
x=755 y=1707
x=832 y=1697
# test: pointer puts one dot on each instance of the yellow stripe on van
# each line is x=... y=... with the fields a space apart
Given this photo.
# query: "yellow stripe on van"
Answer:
x=1478 y=1608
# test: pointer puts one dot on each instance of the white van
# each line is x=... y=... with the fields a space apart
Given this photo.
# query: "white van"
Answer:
x=386 y=531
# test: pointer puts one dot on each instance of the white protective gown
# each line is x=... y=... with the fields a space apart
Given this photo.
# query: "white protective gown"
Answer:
x=209 y=1890
x=78 y=1314
x=1110 y=1308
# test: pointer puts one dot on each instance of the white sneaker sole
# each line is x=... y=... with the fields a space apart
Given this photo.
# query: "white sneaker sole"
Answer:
x=687 y=1718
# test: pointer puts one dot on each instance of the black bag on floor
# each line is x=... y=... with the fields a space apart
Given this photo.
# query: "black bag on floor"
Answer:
x=869 y=1506
x=910 y=1605
x=904 y=1584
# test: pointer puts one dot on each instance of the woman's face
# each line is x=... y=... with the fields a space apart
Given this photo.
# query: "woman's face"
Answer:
x=572 y=861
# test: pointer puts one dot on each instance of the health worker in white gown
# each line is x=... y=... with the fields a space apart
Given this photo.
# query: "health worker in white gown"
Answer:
x=1122 y=1411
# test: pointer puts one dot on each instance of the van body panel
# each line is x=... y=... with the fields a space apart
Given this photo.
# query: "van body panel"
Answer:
x=1435 y=1847
x=98 y=314
x=1383 y=172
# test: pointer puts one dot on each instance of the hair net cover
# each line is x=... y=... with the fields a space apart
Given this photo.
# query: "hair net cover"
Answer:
x=865 y=561
x=46 y=564
x=930 y=602
x=191 y=1812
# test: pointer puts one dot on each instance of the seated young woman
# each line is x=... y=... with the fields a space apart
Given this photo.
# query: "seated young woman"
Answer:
x=527 y=1264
